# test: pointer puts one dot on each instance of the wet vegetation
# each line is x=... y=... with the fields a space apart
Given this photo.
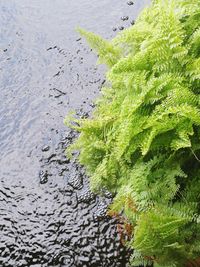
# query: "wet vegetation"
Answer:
x=142 y=141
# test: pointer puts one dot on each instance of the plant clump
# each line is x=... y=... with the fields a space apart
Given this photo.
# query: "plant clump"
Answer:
x=142 y=141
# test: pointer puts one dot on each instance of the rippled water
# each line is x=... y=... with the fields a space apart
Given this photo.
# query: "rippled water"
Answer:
x=48 y=217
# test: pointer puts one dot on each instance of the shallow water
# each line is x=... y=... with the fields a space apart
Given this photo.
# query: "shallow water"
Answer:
x=48 y=217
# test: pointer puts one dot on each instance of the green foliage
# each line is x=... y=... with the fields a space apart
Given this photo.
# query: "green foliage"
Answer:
x=142 y=141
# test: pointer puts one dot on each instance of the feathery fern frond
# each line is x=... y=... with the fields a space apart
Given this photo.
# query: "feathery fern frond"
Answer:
x=142 y=141
x=108 y=53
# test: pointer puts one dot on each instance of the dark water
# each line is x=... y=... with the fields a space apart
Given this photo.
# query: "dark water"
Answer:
x=48 y=216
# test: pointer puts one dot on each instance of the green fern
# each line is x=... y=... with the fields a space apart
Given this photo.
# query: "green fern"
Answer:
x=142 y=141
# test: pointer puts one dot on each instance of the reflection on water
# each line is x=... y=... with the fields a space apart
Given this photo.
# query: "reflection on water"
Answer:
x=48 y=215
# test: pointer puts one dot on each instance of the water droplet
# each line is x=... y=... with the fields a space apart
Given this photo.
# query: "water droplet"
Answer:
x=132 y=22
x=121 y=28
x=124 y=18
x=43 y=177
x=45 y=148
x=130 y=3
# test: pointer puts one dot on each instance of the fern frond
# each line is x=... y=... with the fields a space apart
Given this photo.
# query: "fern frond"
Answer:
x=108 y=53
x=142 y=140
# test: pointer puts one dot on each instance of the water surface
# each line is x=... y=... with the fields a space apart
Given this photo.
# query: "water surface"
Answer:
x=48 y=215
